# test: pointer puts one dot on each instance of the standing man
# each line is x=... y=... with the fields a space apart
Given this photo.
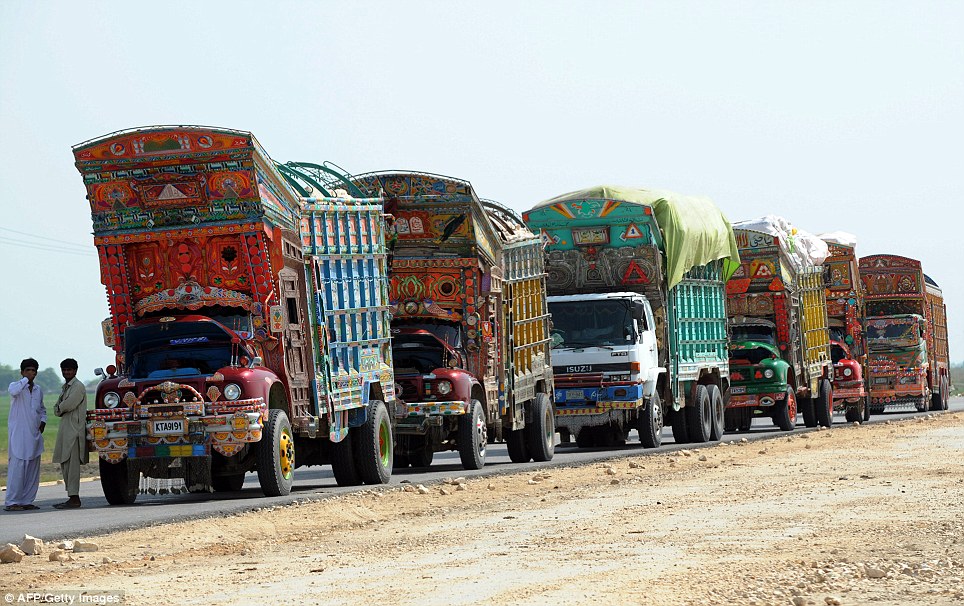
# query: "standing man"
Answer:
x=25 y=428
x=71 y=448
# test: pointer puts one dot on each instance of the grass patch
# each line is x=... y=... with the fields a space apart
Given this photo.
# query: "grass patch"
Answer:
x=49 y=471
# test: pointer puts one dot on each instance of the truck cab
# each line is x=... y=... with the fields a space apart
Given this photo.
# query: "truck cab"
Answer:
x=604 y=355
x=898 y=360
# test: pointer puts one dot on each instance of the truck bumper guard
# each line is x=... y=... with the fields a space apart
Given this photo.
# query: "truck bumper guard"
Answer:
x=115 y=434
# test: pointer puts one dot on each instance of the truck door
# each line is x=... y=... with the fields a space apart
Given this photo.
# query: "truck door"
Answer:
x=295 y=342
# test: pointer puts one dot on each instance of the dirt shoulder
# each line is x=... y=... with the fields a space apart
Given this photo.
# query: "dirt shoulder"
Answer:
x=853 y=515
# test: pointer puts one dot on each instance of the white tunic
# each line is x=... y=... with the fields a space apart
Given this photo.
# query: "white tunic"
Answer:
x=23 y=427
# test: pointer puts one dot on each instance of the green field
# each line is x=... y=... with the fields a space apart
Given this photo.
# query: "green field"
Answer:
x=48 y=470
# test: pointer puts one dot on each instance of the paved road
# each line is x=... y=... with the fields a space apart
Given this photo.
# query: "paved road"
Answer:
x=311 y=483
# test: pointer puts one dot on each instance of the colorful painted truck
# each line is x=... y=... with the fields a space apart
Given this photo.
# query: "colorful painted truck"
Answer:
x=846 y=312
x=638 y=311
x=250 y=325
x=906 y=335
x=470 y=329
x=779 y=336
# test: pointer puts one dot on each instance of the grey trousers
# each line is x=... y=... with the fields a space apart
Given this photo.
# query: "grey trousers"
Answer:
x=71 y=470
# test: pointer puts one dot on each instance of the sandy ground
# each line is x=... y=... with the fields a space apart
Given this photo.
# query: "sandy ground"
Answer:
x=853 y=515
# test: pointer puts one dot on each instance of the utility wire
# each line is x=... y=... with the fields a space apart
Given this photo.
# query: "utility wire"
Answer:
x=47 y=247
x=60 y=242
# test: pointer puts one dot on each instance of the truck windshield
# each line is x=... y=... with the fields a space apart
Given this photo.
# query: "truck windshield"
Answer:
x=893 y=333
x=753 y=332
x=592 y=323
x=837 y=353
x=418 y=353
x=177 y=349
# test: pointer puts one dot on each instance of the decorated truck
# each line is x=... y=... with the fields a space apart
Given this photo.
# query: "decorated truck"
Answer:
x=906 y=335
x=779 y=337
x=250 y=324
x=470 y=329
x=846 y=312
x=638 y=307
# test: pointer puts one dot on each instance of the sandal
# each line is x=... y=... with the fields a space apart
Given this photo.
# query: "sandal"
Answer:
x=13 y=508
x=68 y=505
x=31 y=506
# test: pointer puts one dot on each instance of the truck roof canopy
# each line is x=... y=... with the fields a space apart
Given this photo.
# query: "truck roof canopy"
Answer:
x=692 y=231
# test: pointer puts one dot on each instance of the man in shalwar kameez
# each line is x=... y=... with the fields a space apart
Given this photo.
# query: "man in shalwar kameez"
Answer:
x=25 y=428
x=71 y=447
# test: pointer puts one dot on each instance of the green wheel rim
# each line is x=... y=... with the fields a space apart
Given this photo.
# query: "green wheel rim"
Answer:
x=384 y=443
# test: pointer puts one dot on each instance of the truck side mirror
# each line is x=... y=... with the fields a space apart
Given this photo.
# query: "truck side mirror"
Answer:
x=100 y=373
x=257 y=361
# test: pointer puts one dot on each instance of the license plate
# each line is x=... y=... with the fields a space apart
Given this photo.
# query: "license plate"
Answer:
x=735 y=390
x=575 y=394
x=881 y=381
x=167 y=427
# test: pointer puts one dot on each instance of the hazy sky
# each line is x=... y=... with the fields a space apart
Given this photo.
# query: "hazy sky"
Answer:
x=836 y=115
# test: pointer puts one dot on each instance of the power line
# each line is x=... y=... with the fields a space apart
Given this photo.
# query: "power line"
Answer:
x=47 y=247
x=60 y=242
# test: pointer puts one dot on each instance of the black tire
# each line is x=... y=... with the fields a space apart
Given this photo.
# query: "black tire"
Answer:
x=343 y=462
x=746 y=421
x=473 y=437
x=716 y=406
x=807 y=408
x=119 y=486
x=649 y=424
x=946 y=386
x=854 y=414
x=515 y=443
x=678 y=421
x=586 y=438
x=372 y=445
x=276 y=455
x=400 y=462
x=731 y=422
x=699 y=416
x=541 y=432
x=228 y=483
x=866 y=410
x=823 y=405
x=784 y=415
x=422 y=457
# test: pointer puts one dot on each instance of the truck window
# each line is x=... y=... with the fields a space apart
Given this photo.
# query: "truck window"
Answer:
x=837 y=353
x=592 y=322
x=753 y=332
x=166 y=350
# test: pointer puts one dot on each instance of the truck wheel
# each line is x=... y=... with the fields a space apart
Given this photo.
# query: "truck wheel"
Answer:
x=921 y=404
x=823 y=407
x=276 y=455
x=716 y=405
x=515 y=443
x=119 y=487
x=473 y=437
x=422 y=457
x=746 y=421
x=866 y=410
x=586 y=438
x=807 y=408
x=228 y=483
x=400 y=461
x=945 y=387
x=649 y=425
x=541 y=433
x=785 y=415
x=372 y=445
x=343 y=462
x=854 y=414
x=699 y=418
x=681 y=434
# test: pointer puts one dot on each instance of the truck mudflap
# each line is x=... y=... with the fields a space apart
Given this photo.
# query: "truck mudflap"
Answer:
x=175 y=430
x=848 y=392
x=744 y=400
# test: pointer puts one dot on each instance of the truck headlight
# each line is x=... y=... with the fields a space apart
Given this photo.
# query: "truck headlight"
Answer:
x=443 y=387
x=847 y=372
x=111 y=399
x=232 y=391
x=768 y=373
